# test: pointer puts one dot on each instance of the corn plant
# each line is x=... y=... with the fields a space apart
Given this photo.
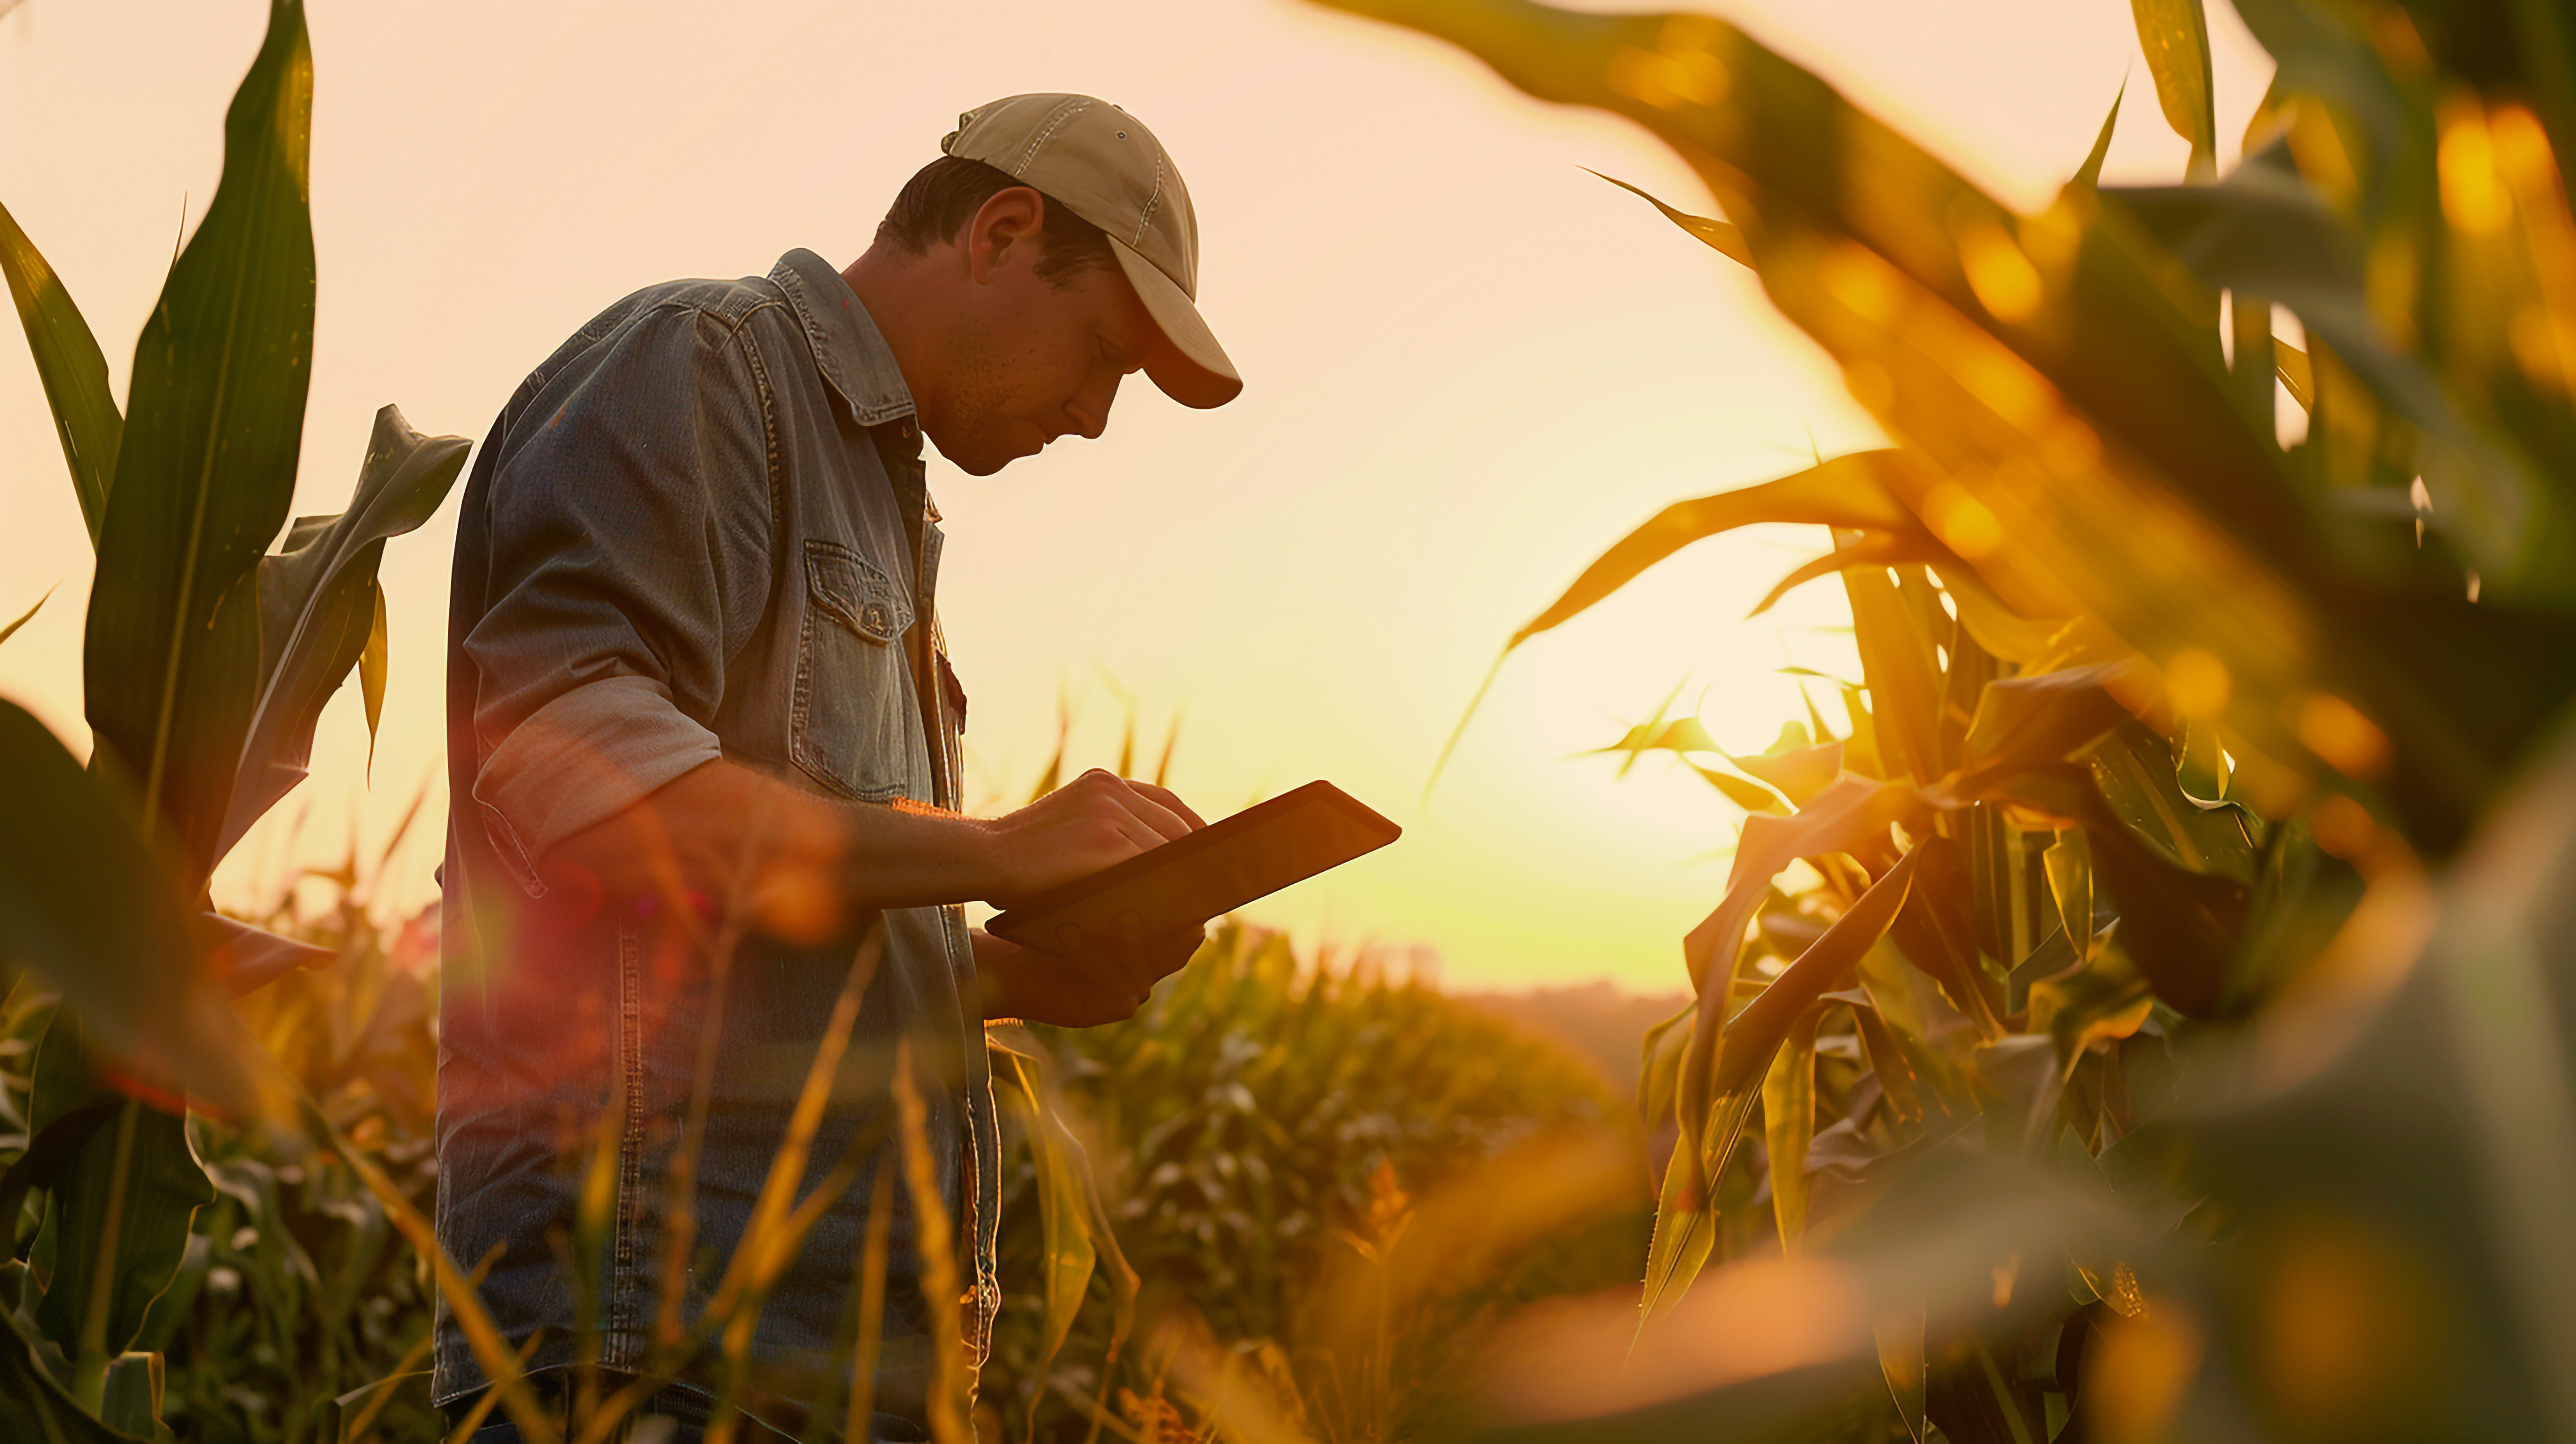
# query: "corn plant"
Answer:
x=2066 y=1101
x=1302 y=1159
x=207 y=661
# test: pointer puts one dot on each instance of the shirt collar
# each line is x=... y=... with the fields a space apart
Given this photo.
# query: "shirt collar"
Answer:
x=848 y=349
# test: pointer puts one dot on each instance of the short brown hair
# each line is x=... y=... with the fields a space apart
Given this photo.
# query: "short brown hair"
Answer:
x=945 y=194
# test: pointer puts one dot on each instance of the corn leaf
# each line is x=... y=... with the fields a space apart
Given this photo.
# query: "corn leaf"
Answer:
x=1901 y=666
x=1848 y=491
x=241 y=957
x=321 y=611
x=1752 y=797
x=2088 y=176
x=2133 y=769
x=26 y=616
x=1799 y=772
x=2175 y=35
x=120 y=1203
x=33 y=1406
x=2069 y=865
x=1659 y=1066
x=71 y=367
x=1723 y=237
x=2028 y=723
x=1068 y=1254
x=1685 y=1233
x=1900 y=1362
x=85 y=902
x=206 y=466
x=1874 y=549
x=2264 y=231
x=1789 y=1127
x=1726 y=1059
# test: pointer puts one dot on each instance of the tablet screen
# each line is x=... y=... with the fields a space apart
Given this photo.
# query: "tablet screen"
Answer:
x=1211 y=872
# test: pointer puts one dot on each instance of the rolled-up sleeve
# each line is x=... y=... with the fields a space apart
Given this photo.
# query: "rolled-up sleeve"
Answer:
x=629 y=528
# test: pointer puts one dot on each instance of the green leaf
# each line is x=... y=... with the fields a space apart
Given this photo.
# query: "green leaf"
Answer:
x=1900 y=1363
x=34 y=1406
x=321 y=611
x=1789 y=1126
x=2133 y=767
x=1723 y=237
x=2069 y=866
x=1685 y=1234
x=1902 y=668
x=1726 y=1059
x=118 y=1208
x=2266 y=232
x=1067 y=1256
x=2088 y=176
x=2175 y=35
x=86 y=903
x=1659 y=1065
x=2028 y=723
x=27 y=616
x=1847 y=491
x=206 y=467
x=242 y=957
x=372 y=663
x=69 y=364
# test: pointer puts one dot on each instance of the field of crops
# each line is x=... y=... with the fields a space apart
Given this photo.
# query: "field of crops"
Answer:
x=2141 y=1010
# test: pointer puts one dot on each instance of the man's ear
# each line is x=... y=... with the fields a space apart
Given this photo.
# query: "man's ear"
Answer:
x=1004 y=230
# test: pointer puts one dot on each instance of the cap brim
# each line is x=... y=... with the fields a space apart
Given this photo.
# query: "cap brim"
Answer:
x=1192 y=369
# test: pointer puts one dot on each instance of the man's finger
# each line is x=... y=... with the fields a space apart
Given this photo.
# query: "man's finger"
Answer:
x=1169 y=801
x=1166 y=823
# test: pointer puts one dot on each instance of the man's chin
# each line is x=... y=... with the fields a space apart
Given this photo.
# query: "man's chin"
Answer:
x=985 y=460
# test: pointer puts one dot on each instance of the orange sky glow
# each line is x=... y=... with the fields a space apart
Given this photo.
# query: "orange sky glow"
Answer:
x=1470 y=365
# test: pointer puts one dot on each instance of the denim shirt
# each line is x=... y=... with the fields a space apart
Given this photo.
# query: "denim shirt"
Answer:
x=698 y=530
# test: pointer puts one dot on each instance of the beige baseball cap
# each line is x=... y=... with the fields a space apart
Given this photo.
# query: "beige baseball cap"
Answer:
x=1105 y=165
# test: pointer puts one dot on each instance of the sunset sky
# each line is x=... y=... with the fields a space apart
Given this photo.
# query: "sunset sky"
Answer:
x=1470 y=367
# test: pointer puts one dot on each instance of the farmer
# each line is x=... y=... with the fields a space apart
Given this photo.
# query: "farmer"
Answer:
x=703 y=755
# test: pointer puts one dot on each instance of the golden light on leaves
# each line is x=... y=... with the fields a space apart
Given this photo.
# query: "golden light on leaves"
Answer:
x=2004 y=382
x=2474 y=199
x=1753 y=1320
x=2138 y=1373
x=2343 y=1328
x=2347 y=741
x=2319 y=149
x=1855 y=276
x=2533 y=338
x=1961 y=521
x=2198 y=684
x=1679 y=71
x=2005 y=281
x=2389 y=280
x=2344 y=827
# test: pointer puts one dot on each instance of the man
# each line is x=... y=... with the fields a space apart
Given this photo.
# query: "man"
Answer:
x=703 y=751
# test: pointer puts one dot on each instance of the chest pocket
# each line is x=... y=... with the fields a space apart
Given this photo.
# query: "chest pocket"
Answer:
x=852 y=728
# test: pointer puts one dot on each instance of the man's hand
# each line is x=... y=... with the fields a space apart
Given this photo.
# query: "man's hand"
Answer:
x=1089 y=823
x=1083 y=981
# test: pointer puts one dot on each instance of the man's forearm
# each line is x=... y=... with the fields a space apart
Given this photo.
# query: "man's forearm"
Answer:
x=723 y=836
x=729 y=835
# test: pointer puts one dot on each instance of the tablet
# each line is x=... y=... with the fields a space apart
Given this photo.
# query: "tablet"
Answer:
x=1210 y=872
